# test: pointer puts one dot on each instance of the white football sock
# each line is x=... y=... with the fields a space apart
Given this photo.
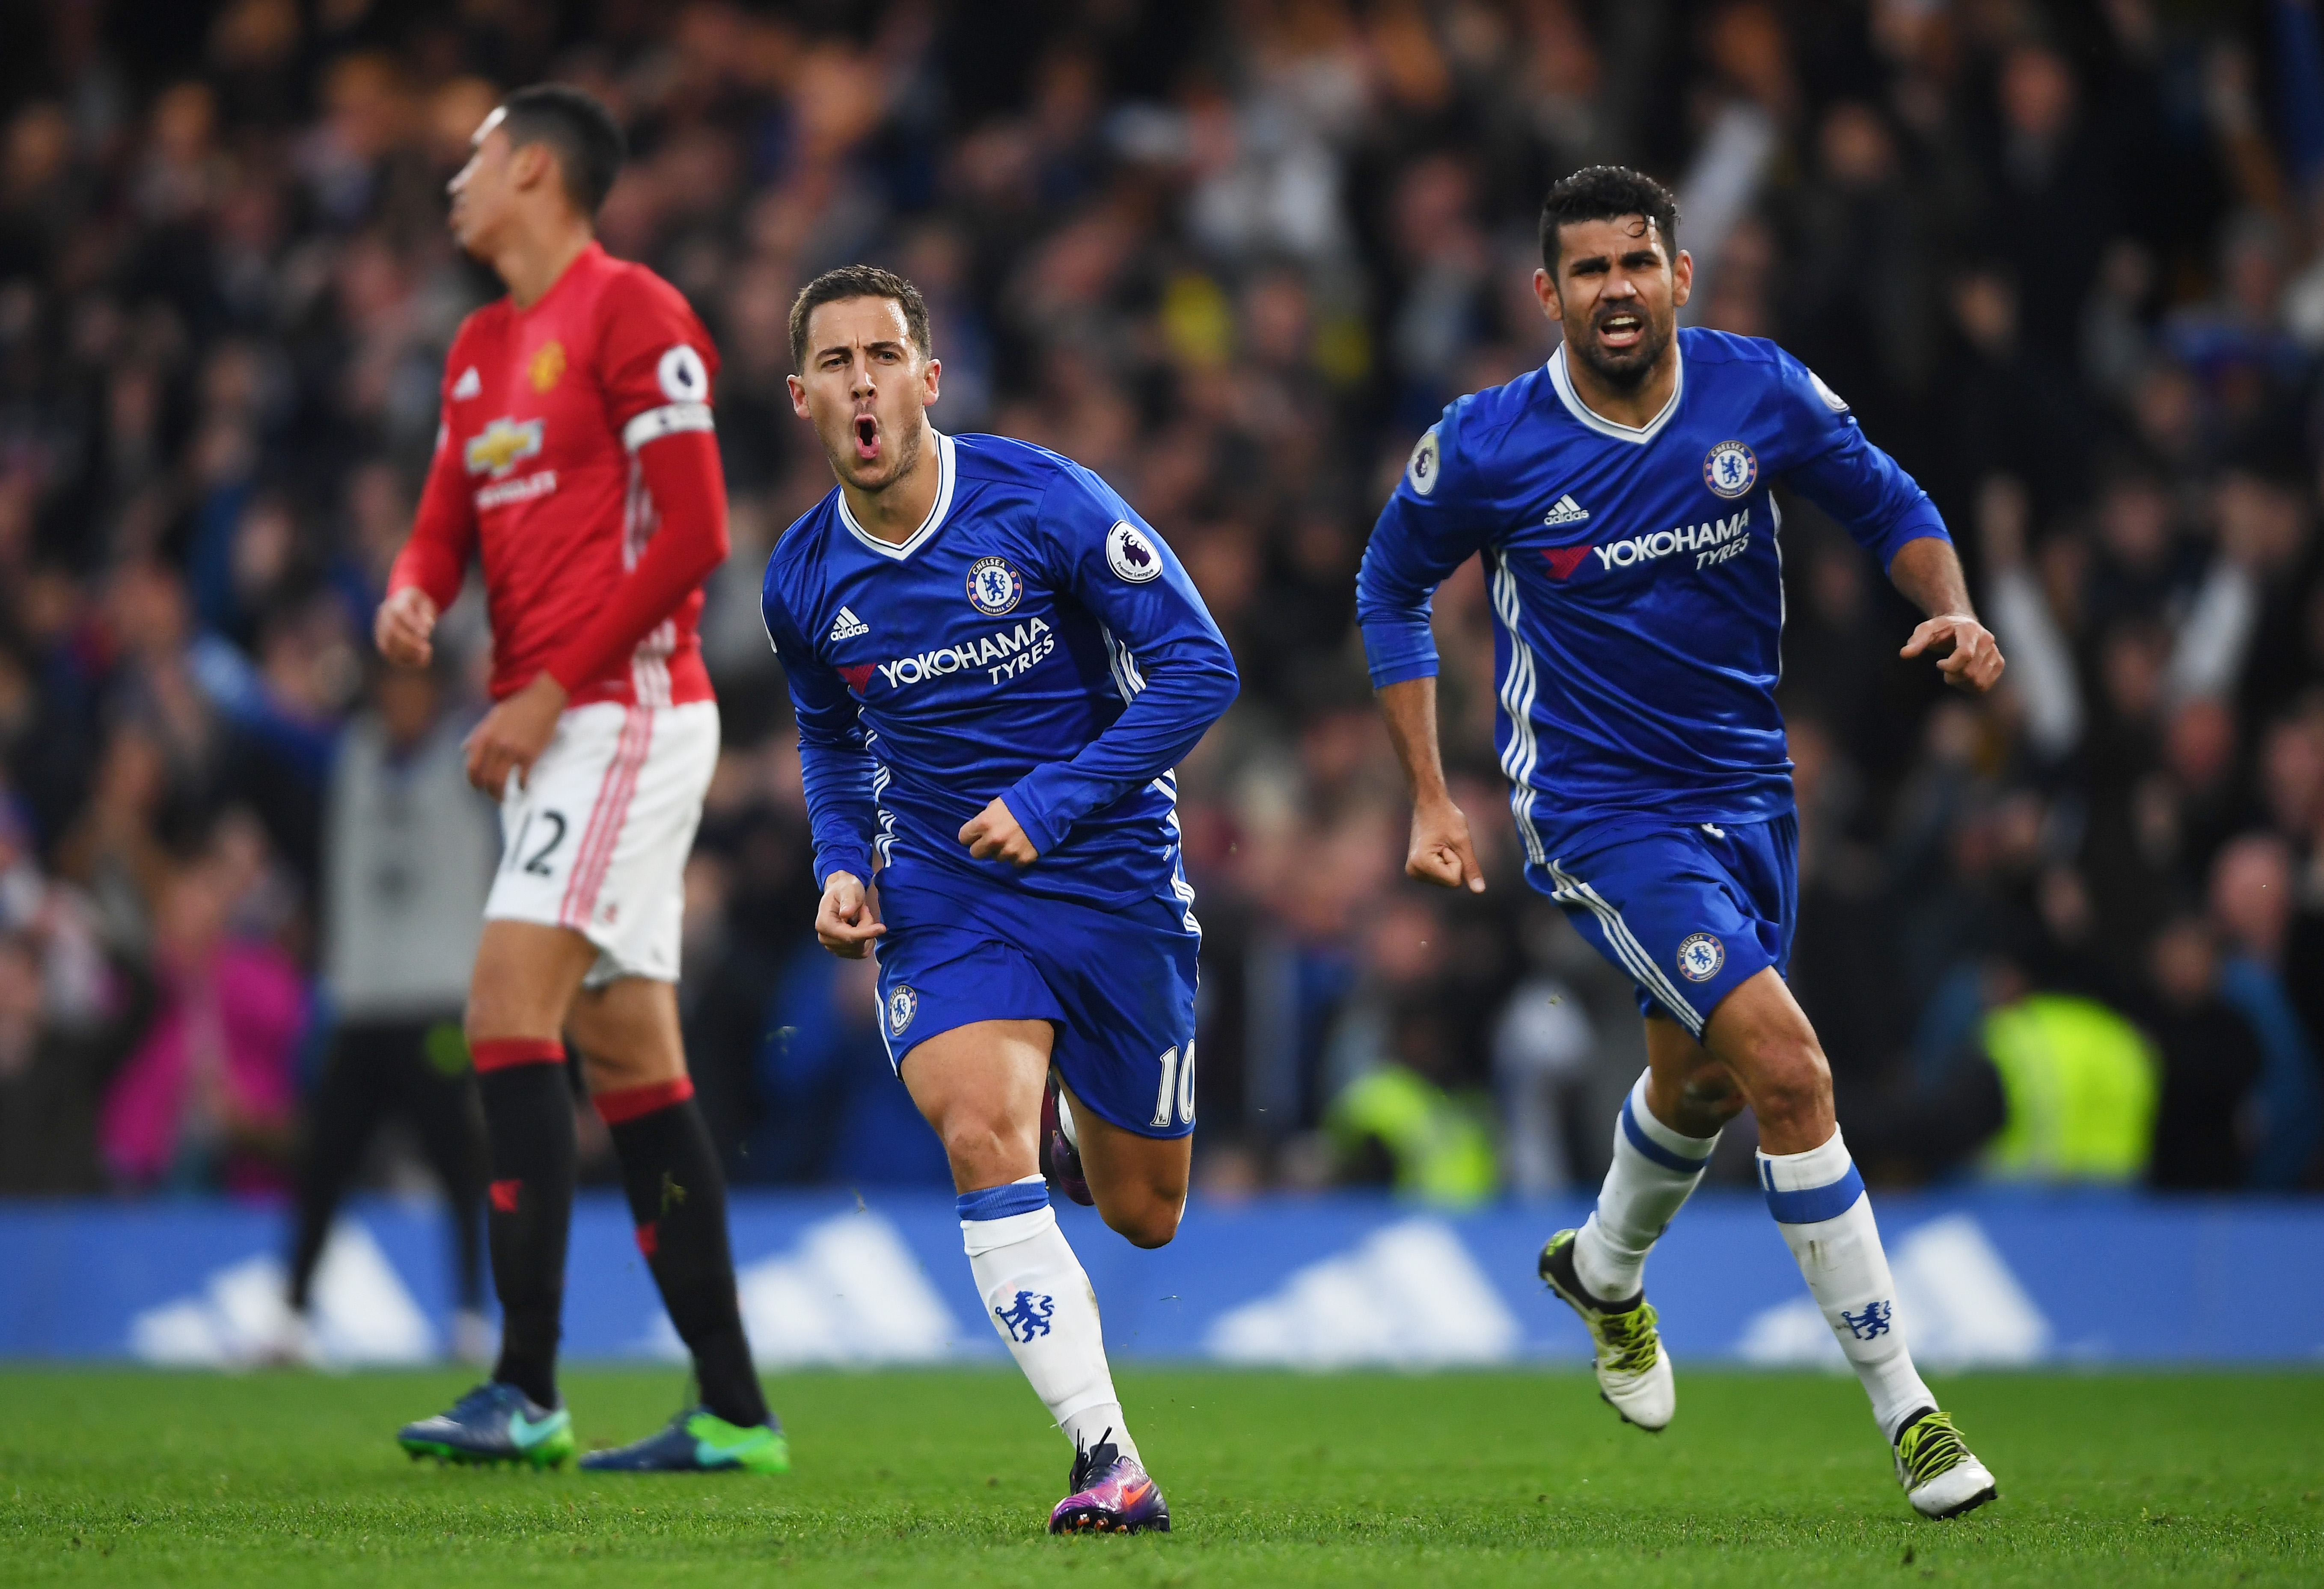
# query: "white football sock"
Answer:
x=1654 y=1169
x=1820 y=1205
x=1038 y=1296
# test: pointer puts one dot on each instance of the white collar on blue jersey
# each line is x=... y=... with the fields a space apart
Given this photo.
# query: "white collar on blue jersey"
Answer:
x=1639 y=434
x=928 y=526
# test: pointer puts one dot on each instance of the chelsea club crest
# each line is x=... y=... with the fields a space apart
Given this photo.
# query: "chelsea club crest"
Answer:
x=1729 y=470
x=902 y=1005
x=994 y=585
x=1701 y=956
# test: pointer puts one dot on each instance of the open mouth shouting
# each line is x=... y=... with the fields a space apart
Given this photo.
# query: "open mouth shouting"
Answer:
x=1623 y=329
x=867 y=438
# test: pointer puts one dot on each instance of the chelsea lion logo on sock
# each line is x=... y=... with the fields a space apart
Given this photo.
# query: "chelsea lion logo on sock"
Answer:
x=1874 y=1320
x=902 y=1005
x=1026 y=1318
x=1701 y=956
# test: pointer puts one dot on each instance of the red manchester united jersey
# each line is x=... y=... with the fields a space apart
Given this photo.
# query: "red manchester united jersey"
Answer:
x=536 y=471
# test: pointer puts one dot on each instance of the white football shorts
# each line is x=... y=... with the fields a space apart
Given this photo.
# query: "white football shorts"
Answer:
x=596 y=838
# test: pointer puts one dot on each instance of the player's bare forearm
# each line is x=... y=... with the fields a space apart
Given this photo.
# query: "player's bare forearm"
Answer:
x=1928 y=572
x=1440 y=851
x=848 y=919
x=1410 y=709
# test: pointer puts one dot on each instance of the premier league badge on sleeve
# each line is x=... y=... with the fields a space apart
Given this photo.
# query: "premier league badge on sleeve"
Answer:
x=1129 y=554
x=902 y=1005
x=994 y=585
x=1701 y=956
x=1729 y=470
x=1422 y=470
x=683 y=376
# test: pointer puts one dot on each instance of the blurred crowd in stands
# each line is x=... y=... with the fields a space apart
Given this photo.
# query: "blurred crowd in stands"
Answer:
x=2065 y=260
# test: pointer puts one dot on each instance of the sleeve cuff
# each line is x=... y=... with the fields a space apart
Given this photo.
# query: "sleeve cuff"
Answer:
x=561 y=668
x=1398 y=652
x=1389 y=673
x=1923 y=523
x=1043 y=828
x=852 y=859
x=431 y=577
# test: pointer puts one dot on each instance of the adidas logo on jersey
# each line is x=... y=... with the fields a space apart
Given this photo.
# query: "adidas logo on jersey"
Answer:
x=1566 y=510
x=847 y=625
x=467 y=386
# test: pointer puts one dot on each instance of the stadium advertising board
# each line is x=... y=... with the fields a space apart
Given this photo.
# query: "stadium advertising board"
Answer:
x=1986 y=1279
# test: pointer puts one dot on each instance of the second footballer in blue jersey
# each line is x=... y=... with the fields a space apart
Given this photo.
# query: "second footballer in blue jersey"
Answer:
x=1623 y=499
x=996 y=667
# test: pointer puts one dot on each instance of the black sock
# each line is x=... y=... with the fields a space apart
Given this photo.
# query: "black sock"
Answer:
x=678 y=1197
x=529 y=1125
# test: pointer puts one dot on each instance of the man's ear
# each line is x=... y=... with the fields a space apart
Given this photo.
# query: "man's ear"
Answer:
x=532 y=164
x=1544 y=288
x=1682 y=278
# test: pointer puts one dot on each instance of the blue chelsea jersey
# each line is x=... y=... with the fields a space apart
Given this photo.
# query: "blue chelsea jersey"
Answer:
x=1636 y=577
x=1033 y=640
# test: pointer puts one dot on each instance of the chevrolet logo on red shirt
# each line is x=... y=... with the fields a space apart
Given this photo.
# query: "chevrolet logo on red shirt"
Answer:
x=501 y=444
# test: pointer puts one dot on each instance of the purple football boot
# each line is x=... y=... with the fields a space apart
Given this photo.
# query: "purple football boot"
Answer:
x=1061 y=1161
x=1111 y=1495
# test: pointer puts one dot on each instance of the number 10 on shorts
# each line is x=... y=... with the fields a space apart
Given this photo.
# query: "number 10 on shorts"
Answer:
x=1178 y=1087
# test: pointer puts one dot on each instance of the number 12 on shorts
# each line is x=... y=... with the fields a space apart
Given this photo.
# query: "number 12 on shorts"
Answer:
x=538 y=864
x=1178 y=1088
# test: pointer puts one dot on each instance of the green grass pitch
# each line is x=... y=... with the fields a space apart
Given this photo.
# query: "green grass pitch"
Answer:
x=947 y=1477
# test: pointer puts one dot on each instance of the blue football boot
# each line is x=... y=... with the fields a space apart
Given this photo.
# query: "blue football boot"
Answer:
x=697 y=1441
x=492 y=1423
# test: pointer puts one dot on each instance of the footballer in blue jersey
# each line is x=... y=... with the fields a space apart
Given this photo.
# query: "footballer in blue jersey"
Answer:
x=1624 y=500
x=996 y=667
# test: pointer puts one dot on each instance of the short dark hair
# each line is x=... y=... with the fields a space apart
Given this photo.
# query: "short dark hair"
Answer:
x=858 y=280
x=588 y=141
x=1607 y=193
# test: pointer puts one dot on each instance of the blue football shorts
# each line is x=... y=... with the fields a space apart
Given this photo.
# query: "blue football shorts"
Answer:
x=1689 y=912
x=1119 y=987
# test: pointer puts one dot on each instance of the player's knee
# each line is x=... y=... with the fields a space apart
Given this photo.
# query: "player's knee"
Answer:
x=503 y=1007
x=1152 y=1220
x=489 y=1019
x=1791 y=1082
x=1707 y=1104
x=621 y=1071
x=977 y=1145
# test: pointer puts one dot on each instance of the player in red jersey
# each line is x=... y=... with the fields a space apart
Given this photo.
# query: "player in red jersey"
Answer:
x=576 y=460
